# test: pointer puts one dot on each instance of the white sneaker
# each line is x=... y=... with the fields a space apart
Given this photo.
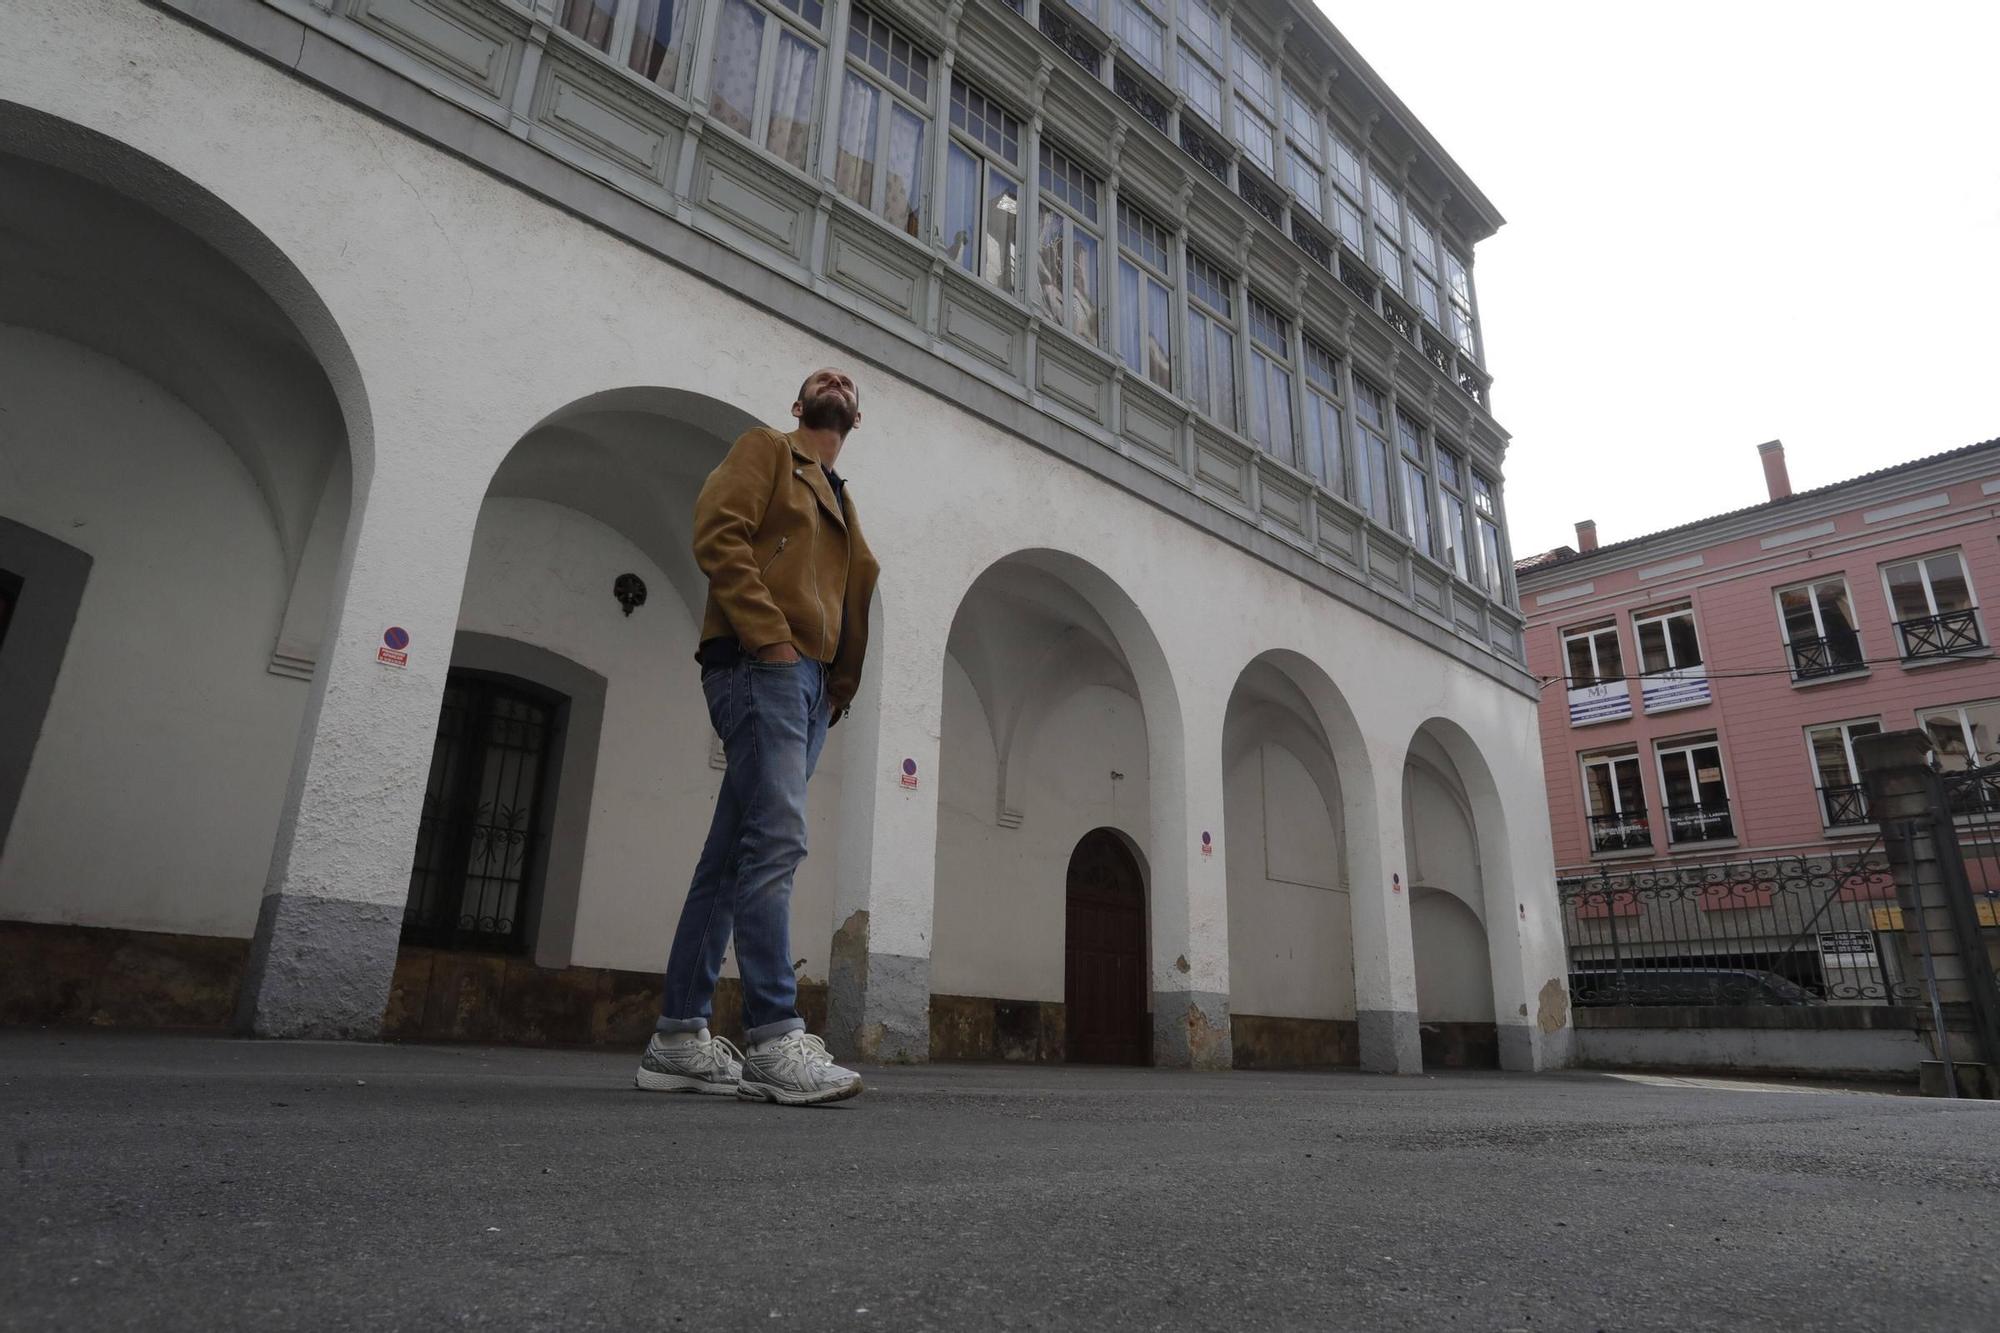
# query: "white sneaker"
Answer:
x=795 y=1070
x=706 y=1064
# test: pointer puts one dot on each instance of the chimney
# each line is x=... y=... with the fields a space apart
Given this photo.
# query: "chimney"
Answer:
x=1775 y=477
x=1586 y=535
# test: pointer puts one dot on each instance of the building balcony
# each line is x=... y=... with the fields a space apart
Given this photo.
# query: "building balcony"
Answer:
x=1710 y=822
x=1844 y=806
x=1833 y=655
x=1620 y=833
x=1973 y=791
x=1947 y=635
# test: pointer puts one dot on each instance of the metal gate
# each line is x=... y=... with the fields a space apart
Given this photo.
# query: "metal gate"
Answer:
x=1792 y=930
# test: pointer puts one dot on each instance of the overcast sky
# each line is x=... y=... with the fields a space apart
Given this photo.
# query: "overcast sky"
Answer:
x=1726 y=223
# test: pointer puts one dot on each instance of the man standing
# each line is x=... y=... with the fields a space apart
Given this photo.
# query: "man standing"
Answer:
x=782 y=641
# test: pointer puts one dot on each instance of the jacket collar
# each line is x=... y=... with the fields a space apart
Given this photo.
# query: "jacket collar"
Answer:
x=808 y=469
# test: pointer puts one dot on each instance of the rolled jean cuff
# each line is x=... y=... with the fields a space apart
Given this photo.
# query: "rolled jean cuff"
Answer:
x=751 y=1036
x=680 y=1024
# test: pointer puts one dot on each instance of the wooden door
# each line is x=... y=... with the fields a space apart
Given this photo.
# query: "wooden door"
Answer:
x=1104 y=955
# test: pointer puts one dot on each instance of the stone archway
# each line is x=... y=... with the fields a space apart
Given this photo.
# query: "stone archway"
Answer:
x=174 y=421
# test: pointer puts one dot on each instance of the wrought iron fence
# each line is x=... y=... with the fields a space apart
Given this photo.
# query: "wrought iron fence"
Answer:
x=1797 y=930
x=1942 y=635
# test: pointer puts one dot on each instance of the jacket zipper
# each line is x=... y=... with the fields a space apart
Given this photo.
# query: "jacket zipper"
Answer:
x=782 y=541
x=818 y=600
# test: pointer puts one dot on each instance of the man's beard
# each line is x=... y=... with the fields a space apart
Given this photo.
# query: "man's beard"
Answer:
x=827 y=412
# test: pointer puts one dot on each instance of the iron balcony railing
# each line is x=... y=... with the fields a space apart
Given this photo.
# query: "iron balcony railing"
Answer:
x=1620 y=833
x=1974 y=791
x=1708 y=822
x=1845 y=805
x=1829 y=655
x=1944 y=635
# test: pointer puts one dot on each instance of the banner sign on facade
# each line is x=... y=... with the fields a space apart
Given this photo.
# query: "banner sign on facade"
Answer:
x=1675 y=689
x=1606 y=702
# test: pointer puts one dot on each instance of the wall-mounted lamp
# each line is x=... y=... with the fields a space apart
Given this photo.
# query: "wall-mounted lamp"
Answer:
x=630 y=590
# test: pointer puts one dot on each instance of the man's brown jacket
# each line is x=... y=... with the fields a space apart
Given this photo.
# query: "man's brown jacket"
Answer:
x=785 y=559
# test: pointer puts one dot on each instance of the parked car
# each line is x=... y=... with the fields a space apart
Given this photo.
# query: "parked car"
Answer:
x=1684 y=985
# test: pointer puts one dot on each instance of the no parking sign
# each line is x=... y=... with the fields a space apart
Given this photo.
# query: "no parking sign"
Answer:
x=393 y=652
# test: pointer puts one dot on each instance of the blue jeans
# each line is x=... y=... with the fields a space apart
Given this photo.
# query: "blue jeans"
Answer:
x=772 y=718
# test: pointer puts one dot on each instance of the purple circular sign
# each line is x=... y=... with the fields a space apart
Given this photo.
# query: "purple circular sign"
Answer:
x=1206 y=840
x=910 y=767
x=396 y=637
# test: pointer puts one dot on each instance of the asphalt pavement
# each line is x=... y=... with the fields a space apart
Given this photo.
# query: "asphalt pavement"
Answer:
x=184 y=1183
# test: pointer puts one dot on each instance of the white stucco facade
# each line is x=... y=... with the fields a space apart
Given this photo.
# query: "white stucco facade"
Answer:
x=525 y=405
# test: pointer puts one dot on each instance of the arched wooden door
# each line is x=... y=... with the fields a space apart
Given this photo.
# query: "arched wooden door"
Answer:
x=1104 y=955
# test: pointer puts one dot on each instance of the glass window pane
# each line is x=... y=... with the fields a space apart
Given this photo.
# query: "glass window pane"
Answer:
x=1948 y=743
x=1677 y=778
x=1982 y=724
x=739 y=41
x=1795 y=605
x=1049 y=259
x=1083 y=280
x=902 y=196
x=1283 y=438
x=1203 y=23
x=1379 y=504
x=1142 y=33
x=1489 y=550
x=1223 y=369
x=1906 y=590
x=1347 y=220
x=1582 y=670
x=854 y=163
x=1198 y=358
x=1829 y=748
x=1130 y=317
x=1452 y=533
x=1303 y=177
x=1949 y=590
x=1836 y=612
x=793 y=81
x=1003 y=209
x=961 y=208
x=591 y=20
x=1602 y=790
x=1159 y=335
x=1203 y=89
x=1652 y=647
x=657 y=40
x=1631 y=788
x=1417 y=507
x=1254 y=132
x=1260 y=399
x=1682 y=641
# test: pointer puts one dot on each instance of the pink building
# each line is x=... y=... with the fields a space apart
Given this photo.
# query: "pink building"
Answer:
x=1707 y=682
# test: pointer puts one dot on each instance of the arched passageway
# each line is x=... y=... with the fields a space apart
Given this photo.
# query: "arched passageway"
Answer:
x=1291 y=937
x=177 y=475
x=1448 y=911
x=1052 y=684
